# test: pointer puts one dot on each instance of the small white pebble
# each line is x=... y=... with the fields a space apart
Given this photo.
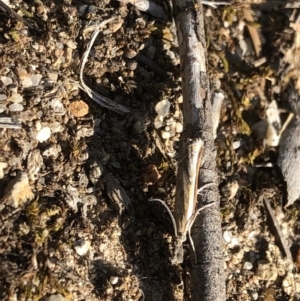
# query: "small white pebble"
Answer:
x=248 y=265
x=27 y=82
x=81 y=247
x=3 y=165
x=180 y=99
x=35 y=79
x=43 y=134
x=234 y=241
x=2 y=97
x=158 y=124
x=179 y=127
x=113 y=280
x=227 y=235
x=2 y=108
x=162 y=107
x=165 y=135
x=57 y=297
x=254 y=295
x=16 y=107
x=6 y=80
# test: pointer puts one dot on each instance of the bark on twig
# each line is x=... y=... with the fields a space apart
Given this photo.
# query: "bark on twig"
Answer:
x=208 y=280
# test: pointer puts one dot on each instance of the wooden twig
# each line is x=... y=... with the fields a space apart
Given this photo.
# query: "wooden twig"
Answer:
x=198 y=153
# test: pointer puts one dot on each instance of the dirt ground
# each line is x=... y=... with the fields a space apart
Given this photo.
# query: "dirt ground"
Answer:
x=76 y=178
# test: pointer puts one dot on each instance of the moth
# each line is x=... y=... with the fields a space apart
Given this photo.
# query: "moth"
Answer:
x=186 y=196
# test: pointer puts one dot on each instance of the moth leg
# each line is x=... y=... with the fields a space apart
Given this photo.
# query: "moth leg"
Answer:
x=191 y=221
x=192 y=244
x=205 y=186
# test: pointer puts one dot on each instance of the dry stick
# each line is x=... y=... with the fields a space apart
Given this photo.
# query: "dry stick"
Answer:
x=207 y=277
x=100 y=99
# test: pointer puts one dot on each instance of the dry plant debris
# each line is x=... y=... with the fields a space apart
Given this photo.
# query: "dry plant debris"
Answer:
x=75 y=177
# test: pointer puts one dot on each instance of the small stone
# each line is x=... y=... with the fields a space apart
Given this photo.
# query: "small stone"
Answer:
x=113 y=280
x=79 y=108
x=52 y=76
x=6 y=80
x=3 y=165
x=234 y=241
x=57 y=107
x=116 y=164
x=162 y=107
x=43 y=134
x=254 y=295
x=57 y=297
x=179 y=127
x=165 y=134
x=248 y=265
x=227 y=235
x=138 y=128
x=82 y=246
x=36 y=79
x=56 y=127
x=180 y=99
x=16 y=107
x=71 y=44
x=27 y=82
x=16 y=97
x=158 y=124
x=2 y=108
x=2 y=97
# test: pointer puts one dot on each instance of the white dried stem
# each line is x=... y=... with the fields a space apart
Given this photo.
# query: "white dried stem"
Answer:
x=100 y=99
x=214 y=4
x=170 y=213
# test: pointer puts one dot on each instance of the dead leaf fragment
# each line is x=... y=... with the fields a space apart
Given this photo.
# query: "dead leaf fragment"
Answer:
x=116 y=193
x=79 y=108
x=254 y=32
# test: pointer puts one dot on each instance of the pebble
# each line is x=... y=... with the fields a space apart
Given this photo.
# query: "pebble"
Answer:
x=179 y=127
x=254 y=295
x=180 y=99
x=227 y=235
x=36 y=79
x=248 y=265
x=16 y=107
x=43 y=134
x=71 y=44
x=57 y=297
x=2 y=97
x=16 y=97
x=57 y=107
x=79 y=108
x=234 y=241
x=137 y=127
x=6 y=80
x=158 y=124
x=82 y=246
x=2 y=108
x=162 y=107
x=113 y=280
x=3 y=165
x=165 y=134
